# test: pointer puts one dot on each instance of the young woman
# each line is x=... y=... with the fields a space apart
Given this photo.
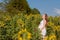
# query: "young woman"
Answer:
x=42 y=25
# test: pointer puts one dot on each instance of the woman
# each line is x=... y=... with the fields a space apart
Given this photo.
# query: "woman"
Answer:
x=42 y=25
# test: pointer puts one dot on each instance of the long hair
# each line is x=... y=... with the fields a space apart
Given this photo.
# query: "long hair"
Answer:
x=46 y=17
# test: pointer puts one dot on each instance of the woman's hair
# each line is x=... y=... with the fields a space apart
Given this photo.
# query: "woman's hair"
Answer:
x=46 y=16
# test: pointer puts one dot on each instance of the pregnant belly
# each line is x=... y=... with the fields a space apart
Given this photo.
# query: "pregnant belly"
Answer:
x=40 y=27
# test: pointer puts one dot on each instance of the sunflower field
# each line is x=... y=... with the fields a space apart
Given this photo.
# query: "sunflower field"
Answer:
x=25 y=27
x=20 y=22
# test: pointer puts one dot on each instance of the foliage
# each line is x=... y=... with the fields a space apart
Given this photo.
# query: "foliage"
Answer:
x=11 y=26
x=16 y=24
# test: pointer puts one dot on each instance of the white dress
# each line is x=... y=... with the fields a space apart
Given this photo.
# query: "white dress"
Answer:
x=43 y=31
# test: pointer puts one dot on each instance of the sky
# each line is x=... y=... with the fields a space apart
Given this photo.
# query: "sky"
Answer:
x=0 y=0
x=51 y=7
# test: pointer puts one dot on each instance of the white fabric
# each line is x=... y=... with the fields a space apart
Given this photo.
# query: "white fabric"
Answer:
x=43 y=31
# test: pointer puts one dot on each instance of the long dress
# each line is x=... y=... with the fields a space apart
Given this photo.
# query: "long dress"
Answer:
x=43 y=31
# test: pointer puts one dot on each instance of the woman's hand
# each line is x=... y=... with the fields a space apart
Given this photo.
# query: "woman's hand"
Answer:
x=42 y=28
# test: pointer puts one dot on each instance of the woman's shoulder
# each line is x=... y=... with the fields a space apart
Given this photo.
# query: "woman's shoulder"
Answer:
x=43 y=21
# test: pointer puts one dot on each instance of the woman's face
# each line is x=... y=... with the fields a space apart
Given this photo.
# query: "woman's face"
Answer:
x=43 y=16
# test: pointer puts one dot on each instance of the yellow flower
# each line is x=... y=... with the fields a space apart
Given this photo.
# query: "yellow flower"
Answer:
x=24 y=34
x=20 y=22
x=20 y=39
x=52 y=37
x=46 y=38
x=19 y=14
x=50 y=23
x=29 y=16
x=57 y=28
x=26 y=15
x=24 y=39
x=2 y=23
x=24 y=30
x=37 y=15
x=7 y=18
x=29 y=35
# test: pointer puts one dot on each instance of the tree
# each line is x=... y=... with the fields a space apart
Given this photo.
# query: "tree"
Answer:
x=20 y=5
x=35 y=11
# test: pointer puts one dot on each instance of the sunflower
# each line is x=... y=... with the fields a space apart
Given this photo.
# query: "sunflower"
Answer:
x=57 y=28
x=2 y=24
x=6 y=18
x=24 y=35
x=52 y=37
x=20 y=22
